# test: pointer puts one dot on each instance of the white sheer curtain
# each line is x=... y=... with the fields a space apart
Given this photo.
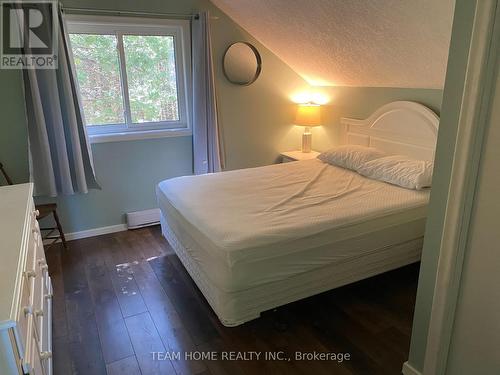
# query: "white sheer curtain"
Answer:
x=207 y=140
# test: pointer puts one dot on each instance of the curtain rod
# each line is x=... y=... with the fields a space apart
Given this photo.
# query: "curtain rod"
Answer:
x=130 y=13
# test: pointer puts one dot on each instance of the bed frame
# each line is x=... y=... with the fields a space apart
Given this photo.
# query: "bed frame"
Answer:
x=400 y=127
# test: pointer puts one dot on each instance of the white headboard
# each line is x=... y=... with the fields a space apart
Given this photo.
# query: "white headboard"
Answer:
x=402 y=127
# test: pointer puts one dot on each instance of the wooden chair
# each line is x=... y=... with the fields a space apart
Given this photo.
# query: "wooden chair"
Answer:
x=53 y=234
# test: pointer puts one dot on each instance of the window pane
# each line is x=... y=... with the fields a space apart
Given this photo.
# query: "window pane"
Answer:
x=98 y=71
x=151 y=74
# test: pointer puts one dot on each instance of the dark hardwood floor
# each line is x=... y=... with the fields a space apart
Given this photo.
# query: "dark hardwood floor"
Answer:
x=113 y=308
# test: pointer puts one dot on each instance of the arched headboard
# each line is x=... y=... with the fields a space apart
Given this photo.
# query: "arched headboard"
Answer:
x=401 y=127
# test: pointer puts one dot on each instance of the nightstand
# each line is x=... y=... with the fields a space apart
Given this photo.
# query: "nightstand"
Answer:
x=288 y=156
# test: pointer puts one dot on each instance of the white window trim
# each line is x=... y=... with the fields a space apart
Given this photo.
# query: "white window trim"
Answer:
x=180 y=30
x=138 y=135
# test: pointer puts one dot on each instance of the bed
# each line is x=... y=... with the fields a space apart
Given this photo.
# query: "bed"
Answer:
x=258 y=238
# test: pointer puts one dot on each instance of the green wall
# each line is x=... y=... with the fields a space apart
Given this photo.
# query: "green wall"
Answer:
x=256 y=124
x=13 y=132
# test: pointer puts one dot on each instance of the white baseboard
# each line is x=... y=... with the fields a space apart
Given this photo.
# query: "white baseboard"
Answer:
x=409 y=369
x=96 y=232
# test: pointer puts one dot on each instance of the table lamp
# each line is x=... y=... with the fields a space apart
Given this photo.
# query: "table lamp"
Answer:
x=308 y=114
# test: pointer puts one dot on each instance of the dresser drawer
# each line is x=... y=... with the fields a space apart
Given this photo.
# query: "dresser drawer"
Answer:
x=31 y=271
x=30 y=265
x=46 y=318
x=34 y=215
x=28 y=343
x=23 y=316
x=34 y=363
x=40 y=289
x=46 y=329
x=39 y=347
x=44 y=315
x=37 y=302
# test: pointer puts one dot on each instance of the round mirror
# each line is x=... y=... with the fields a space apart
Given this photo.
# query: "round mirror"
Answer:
x=242 y=63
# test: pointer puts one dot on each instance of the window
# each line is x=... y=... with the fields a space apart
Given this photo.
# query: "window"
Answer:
x=132 y=76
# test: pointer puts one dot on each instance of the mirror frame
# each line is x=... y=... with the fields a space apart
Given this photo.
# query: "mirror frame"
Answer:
x=257 y=57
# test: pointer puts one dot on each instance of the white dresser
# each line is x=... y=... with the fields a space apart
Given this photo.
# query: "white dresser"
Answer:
x=25 y=287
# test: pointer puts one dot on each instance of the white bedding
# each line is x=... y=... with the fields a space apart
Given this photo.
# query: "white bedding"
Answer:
x=247 y=215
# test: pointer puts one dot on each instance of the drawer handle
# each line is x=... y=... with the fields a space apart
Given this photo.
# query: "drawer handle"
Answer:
x=48 y=296
x=37 y=213
x=31 y=273
x=38 y=313
x=45 y=355
x=28 y=310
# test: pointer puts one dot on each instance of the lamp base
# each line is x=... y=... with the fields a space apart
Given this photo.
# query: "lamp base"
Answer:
x=306 y=141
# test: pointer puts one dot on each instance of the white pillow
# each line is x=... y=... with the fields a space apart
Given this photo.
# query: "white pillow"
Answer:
x=399 y=170
x=350 y=156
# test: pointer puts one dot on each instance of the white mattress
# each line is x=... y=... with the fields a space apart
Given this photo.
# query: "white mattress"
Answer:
x=248 y=228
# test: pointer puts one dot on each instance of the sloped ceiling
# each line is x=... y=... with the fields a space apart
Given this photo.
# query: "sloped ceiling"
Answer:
x=370 y=43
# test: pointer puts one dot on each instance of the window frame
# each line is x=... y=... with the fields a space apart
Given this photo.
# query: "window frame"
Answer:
x=120 y=26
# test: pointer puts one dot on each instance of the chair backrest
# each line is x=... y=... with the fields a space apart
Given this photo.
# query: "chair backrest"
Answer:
x=5 y=175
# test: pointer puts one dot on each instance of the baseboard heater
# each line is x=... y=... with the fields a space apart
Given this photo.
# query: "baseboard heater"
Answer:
x=145 y=218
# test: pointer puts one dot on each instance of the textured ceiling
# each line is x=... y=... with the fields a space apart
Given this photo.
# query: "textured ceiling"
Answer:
x=384 y=43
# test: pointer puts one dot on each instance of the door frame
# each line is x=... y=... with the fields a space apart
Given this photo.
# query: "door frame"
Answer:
x=473 y=118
